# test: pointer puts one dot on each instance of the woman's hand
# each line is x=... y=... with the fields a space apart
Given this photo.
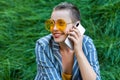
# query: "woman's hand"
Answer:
x=76 y=37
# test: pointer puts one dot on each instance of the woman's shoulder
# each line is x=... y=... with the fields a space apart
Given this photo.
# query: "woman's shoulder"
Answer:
x=45 y=39
x=87 y=39
x=88 y=45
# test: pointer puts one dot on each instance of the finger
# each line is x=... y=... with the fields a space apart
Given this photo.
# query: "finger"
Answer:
x=73 y=34
x=77 y=31
x=72 y=38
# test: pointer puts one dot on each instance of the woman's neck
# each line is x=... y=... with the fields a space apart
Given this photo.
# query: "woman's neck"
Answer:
x=64 y=48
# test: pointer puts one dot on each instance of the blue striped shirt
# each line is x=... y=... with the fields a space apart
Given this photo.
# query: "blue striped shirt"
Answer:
x=49 y=62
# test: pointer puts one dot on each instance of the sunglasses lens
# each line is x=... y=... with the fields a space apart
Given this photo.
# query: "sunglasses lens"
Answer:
x=61 y=24
x=49 y=24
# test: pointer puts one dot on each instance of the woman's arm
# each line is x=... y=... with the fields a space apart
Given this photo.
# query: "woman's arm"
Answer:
x=89 y=63
x=89 y=67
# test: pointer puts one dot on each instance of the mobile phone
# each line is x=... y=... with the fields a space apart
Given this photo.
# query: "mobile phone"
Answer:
x=68 y=42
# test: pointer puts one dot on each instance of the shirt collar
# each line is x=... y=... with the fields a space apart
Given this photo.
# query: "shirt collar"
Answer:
x=57 y=55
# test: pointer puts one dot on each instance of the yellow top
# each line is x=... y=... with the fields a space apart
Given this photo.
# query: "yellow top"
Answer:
x=66 y=76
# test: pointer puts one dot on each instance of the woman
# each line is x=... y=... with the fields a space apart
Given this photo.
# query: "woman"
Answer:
x=55 y=60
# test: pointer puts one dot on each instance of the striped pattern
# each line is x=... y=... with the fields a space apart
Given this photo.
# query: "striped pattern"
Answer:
x=49 y=63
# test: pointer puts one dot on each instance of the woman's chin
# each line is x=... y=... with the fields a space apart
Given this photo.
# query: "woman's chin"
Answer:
x=58 y=41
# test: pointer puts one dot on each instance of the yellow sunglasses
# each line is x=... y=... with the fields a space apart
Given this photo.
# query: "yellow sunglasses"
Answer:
x=60 y=24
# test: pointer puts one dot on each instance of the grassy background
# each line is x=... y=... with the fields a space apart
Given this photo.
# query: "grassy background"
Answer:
x=22 y=23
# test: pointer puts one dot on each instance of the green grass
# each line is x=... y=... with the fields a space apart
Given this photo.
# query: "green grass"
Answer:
x=22 y=23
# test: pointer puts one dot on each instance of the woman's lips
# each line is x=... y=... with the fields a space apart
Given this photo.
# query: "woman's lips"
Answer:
x=57 y=35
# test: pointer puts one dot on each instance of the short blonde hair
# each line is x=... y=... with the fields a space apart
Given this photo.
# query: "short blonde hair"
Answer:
x=74 y=11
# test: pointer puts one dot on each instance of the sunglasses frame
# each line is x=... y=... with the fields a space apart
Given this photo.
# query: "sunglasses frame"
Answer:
x=50 y=23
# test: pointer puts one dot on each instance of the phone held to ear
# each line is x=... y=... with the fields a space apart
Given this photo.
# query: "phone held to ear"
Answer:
x=68 y=42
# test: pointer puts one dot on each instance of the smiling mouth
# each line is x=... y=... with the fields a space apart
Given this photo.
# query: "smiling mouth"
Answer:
x=57 y=35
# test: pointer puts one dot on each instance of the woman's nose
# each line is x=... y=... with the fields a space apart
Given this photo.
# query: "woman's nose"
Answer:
x=55 y=28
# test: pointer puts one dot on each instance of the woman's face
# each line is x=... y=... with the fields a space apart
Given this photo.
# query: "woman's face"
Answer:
x=60 y=35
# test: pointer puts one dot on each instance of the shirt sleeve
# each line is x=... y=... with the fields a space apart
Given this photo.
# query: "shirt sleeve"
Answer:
x=91 y=55
x=45 y=68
